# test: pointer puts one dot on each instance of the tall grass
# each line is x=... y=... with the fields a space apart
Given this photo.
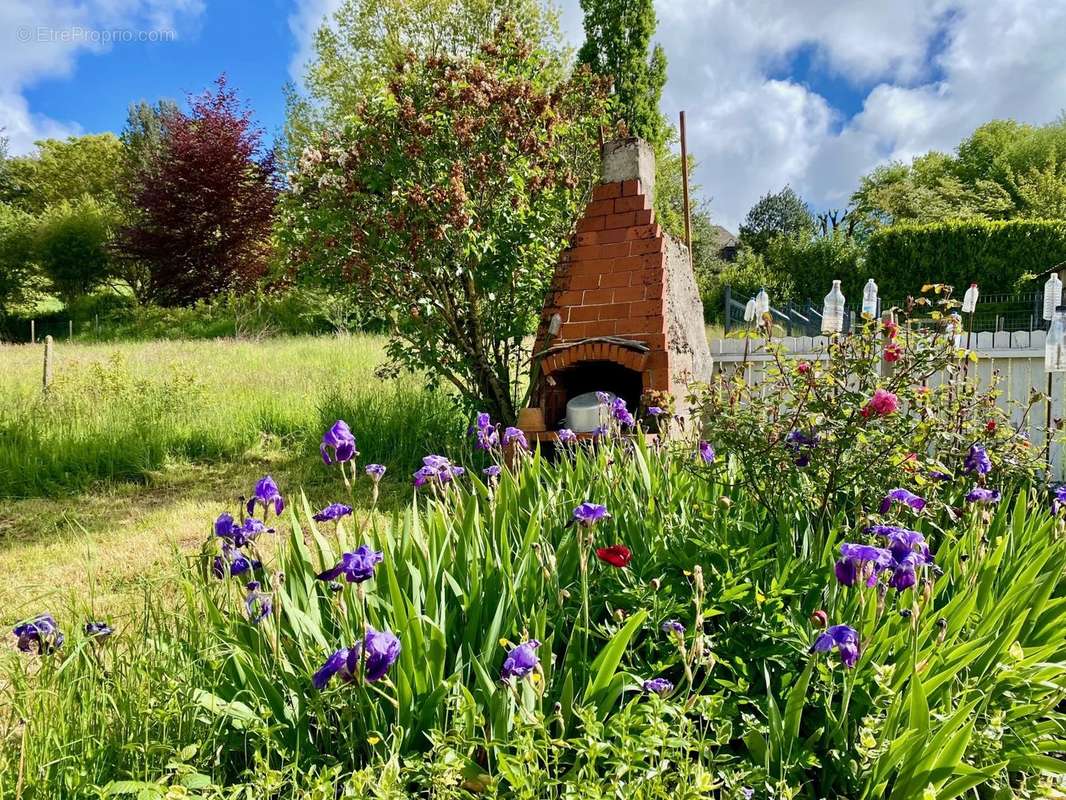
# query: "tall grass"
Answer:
x=119 y=412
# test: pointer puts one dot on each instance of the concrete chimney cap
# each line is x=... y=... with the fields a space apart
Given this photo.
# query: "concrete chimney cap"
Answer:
x=627 y=160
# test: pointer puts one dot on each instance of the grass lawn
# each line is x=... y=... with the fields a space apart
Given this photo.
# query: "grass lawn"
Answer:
x=139 y=446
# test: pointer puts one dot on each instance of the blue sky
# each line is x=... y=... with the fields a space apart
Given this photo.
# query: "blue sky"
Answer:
x=813 y=93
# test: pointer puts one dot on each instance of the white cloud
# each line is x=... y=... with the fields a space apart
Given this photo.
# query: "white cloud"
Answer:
x=44 y=39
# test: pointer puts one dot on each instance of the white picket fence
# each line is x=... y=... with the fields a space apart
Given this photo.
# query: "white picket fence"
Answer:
x=1016 y=357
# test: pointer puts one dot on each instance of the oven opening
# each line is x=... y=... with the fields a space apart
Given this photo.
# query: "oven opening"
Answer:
x=591 y=376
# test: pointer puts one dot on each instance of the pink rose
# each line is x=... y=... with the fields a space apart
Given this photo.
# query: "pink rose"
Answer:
x=881 y=404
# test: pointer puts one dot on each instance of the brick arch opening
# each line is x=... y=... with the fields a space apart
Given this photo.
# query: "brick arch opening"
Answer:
x=590 y=376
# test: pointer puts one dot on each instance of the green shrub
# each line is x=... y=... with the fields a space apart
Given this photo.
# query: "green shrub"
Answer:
x=813 y=264
x=745 y=276
x=997 y=256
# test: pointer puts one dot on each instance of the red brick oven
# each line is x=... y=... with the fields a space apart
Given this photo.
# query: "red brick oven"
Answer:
x=624 y=314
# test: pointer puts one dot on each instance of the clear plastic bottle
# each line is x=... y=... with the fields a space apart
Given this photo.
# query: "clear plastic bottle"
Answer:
x=969 y=300
x=869 y=300
x=762 y=303
x=749 y=311
x=833 y=310
x=1052 y=295
x=1055 y=345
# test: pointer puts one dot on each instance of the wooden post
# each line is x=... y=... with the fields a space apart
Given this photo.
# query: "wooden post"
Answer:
x=70 y=329
x=47 y=380
x=684 y=187
x=33 y=331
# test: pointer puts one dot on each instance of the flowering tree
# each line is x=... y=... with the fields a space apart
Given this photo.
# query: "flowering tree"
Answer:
x=443 y=203
x=204 y=203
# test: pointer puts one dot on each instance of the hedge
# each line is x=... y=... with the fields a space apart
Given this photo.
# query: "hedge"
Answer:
x=997 y=256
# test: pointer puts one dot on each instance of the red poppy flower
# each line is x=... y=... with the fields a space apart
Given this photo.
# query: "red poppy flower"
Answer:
x=617 y=555
x=991 y=426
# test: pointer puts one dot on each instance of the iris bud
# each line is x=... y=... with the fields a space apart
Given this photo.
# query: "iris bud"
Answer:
x=819 y=619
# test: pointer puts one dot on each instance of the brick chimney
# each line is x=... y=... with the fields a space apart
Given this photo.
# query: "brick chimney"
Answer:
x=624 y=314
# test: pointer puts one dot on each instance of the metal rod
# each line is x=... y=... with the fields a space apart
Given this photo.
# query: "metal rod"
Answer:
x=47 y=377
x=684 y=187
x=1048 y=424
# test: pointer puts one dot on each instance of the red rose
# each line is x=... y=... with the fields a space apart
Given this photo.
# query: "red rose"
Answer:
x=617 y=555
x=991 y=426
x=891 y=329
x=893 y=353
x=881 y=404
x=803 y=367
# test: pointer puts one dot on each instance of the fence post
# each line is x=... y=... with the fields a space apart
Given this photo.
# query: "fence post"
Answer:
x=33 y=331
x=728 y=306
x=47 y=379
x=70 y=329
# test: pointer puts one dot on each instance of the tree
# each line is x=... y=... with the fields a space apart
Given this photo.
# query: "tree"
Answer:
x=71 y=245
x=617 y=37
x=205 y=205
x=17 y=268
x=776 y=214
x=444 y=202
x=356 y=51
x=143 y=138
x=67 y=169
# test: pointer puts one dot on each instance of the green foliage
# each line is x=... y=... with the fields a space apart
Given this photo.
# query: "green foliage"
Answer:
x=356 y=51
x=813 y=263
x=17 y=271
x=745 y=276
x=71 y=244
x=1004 y=170
x=617 y=38
x=780 y=214
x=68 y=169
x=998 y=256
x=444 y=203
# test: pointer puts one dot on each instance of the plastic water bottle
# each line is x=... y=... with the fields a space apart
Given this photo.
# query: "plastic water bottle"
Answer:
x=762 y=303
x=969 y=300
x=1055 y=345
x=869 y=300
x=749 y=310
x=833 y=310
x=1052 y=295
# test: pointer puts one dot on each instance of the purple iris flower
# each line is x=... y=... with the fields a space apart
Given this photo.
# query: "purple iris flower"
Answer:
x=232 y=562
x=343 y=662
x=436 y=469
x=672 y=626
x=937 y=475
x=486 y=434
x=605 y=398
x=844 y=638
x=706 y=452
x=355 y=567
x=99 y=631
x=659 y=686
x=41 y=631
x=492 y=472
x=516 y=437
x=907 y=552
x=654 y=411
x=588 y=514
x=375 y=471
x=902 y=496
x=980 y=495
x=621 y=413
x=267 y=495
x=1058 y=498
x=239 y=535
x=333 y=511
x=258 y=604
x=382 y=650
x=338 y=444
x=977 y=461
x=801 y=444
x=520 y=661
x=566 y=436
x=861 y=562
